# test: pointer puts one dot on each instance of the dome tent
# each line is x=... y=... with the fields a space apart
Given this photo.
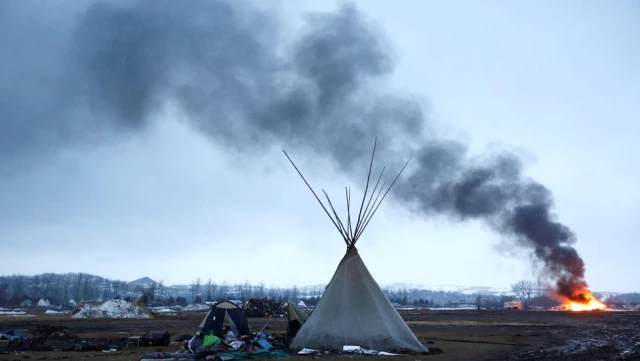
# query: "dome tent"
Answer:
x=214 y=319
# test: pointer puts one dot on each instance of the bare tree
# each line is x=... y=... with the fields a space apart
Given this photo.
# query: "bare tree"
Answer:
x=214 y=290
x=209 y=290
x=246 y=290
x=259 y=291
x=523 y=289
x=46 y=280
x=19 y=288
x=4 y=291
x=160 y=291
x=89 y=288
x=195 y=288
x=79 y=296
x=106 y=289
x=119 y=288
x=36 y=287
x=541 y=287
x=237 y=290
x=224 y=289
x=273 y=292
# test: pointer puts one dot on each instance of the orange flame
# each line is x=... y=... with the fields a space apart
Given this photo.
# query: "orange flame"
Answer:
x=586 y=303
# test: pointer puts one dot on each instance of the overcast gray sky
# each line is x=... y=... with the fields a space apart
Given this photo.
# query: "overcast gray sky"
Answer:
x=557 y=83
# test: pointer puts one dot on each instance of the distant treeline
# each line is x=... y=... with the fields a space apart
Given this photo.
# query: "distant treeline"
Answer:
x=59 y=289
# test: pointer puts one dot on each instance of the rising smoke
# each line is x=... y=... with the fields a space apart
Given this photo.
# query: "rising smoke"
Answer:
x=75 y=76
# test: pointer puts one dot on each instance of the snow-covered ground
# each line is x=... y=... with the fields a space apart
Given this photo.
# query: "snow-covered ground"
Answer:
x=13 y=313
x=112 y=309
x=53 y=312
x=163 y=310
x=196 y=307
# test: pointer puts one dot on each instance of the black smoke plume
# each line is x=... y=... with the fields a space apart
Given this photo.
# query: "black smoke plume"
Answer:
x=246 y=78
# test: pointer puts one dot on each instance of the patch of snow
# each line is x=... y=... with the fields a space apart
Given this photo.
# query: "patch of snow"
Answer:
x=163 y=310
x=13 y=313
x=112 y=309
x=196 y=307
x=52 y=312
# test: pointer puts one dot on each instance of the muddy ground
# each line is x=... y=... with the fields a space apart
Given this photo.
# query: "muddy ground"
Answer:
x=453 y=335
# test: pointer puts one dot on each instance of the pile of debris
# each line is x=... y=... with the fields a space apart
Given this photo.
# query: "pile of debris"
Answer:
x=112 y=309
x=259 y=307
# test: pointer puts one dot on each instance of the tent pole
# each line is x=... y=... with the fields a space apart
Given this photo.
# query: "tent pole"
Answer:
x=366 y=188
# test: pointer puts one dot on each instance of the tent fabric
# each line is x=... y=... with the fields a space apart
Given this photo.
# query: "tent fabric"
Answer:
x=214 y=319
x=354 y=311
x=296 y=318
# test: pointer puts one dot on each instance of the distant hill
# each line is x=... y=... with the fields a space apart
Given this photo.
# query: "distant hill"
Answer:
x=399 y=286
x=144 y=282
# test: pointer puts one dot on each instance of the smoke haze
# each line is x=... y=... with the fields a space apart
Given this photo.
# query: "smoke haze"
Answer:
x=84 y=75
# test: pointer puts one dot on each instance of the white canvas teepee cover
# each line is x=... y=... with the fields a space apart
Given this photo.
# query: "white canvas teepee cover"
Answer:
x=354 y=311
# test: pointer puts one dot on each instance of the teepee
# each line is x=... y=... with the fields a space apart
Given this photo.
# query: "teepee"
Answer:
x=353 y=310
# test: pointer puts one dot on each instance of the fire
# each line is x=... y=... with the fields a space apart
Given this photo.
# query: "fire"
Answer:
x=593 y=305
x=585 y=302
